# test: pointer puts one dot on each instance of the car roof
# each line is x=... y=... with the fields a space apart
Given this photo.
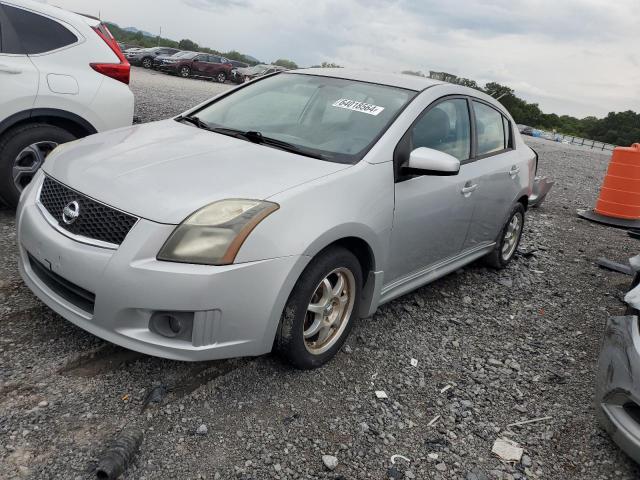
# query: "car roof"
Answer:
x=410 y=82
x=55 y=12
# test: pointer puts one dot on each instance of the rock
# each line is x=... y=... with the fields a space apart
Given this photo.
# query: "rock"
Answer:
x=330 y=462
x=506 y=282
x=466 y=299
x=277 y=467
x=202 y=430
x=43 y=404
x=507 y=450
x=441 y=467
x=526 y=461
x=348 y=350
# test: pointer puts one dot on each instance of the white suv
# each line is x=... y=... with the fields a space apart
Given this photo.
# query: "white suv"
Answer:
x=62 y=76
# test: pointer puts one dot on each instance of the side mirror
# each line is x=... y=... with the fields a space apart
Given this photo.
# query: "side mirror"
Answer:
x=427 y=161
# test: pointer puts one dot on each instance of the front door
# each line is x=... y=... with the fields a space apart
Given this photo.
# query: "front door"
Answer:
x=433 y=213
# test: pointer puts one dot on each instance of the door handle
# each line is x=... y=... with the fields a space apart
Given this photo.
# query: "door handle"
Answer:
x=7 y=69
x=515 y=170
x=469 y=189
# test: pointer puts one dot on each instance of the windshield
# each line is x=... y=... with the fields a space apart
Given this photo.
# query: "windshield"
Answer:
x=186 y=55
x=336 y=118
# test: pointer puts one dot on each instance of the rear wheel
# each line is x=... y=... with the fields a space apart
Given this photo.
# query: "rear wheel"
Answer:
x=321 y=309
x=22 y=153
x=221 y=77
x=147 y=62
x=185 y=72
x=509 y=239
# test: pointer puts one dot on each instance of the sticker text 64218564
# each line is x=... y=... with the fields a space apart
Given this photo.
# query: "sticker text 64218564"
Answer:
x=358 y=106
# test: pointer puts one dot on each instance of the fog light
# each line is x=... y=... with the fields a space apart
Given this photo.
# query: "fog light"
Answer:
x=177 y=325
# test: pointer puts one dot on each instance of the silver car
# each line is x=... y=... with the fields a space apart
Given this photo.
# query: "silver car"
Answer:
x=274 y=215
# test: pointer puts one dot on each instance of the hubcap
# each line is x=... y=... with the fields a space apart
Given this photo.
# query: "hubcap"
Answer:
x=185 y=72
x=221 y=78
x=511 y=236
x=329 y=311
x=28 y=161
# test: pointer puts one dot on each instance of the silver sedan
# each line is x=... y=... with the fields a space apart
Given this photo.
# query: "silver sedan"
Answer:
x=275 y=215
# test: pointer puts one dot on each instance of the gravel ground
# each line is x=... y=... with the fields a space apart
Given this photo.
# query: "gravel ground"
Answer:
x=512 y=345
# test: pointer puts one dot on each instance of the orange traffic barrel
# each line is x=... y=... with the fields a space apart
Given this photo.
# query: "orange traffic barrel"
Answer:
x=619 y=202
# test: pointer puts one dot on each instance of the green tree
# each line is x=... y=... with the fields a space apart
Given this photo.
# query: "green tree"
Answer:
x=186 y=44
x=282 y=62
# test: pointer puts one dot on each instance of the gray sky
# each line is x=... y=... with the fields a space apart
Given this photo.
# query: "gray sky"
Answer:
x=577 y=57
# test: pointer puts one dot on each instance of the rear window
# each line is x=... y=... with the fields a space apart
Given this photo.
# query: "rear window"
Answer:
x=38 y=34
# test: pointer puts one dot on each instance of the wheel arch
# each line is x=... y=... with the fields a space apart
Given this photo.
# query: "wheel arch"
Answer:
x=361 y=241
x=524 y=200
x=71 y=122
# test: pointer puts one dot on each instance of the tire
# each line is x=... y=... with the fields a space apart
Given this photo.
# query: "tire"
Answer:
x=147 y=62
x=312 y=352
x=221 y=77
x=22 y=151
x=185 y=72
x=501 y=255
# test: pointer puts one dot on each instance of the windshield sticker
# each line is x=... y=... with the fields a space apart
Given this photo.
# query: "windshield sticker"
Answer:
x=358 y=106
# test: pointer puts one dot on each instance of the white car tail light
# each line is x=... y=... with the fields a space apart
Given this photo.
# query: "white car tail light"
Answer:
x=117 y=71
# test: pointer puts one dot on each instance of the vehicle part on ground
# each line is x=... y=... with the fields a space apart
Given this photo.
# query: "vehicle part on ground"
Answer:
x=614 y=266
x=509 y=240
x=619 y=202
x=22 y=153
x=321 y=309
x=541 y=187
x=119 y=454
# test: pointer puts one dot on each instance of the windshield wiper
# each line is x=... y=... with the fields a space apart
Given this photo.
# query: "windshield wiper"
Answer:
x=194 y=121
x=257 y=137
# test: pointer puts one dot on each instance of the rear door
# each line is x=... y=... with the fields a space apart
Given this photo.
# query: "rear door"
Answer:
x=18 y=75
x=503 y=172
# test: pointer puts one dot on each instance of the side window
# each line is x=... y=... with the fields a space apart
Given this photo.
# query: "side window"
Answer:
x=38 y=34
x=202 y=58
x=446 y=128
x=490 y=128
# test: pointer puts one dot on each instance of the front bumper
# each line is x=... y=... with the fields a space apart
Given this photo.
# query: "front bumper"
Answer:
x=238 y=306
x=618 y=376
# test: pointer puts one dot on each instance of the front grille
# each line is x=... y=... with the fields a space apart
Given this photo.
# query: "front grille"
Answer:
x=95 y=220
x=71 y=292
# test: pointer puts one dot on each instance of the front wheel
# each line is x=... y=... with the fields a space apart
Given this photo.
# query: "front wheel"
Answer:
x=185 y=72
x=321 y=309
x=509 y=239
x=22 y=153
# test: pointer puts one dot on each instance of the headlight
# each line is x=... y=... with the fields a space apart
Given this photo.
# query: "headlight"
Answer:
x=214 y=234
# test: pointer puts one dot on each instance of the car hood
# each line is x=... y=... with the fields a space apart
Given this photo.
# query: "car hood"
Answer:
x=166 y=170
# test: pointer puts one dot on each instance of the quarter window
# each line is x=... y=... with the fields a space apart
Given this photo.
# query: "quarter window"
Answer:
x=490 y=128
x=446 y=128
x=37 y=34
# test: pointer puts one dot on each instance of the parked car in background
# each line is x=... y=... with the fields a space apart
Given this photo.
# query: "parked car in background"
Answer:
x=174 y=238
x=145 y=56
x=194 y=64
x=525 y=130
x=237 y=64
x=62 y=77
x=158 y=60
x=250 y=73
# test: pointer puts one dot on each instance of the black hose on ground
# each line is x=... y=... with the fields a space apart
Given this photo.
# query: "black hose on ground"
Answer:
x=119 y=454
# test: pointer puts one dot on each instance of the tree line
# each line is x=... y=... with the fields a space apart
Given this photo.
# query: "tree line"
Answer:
x=618 y=128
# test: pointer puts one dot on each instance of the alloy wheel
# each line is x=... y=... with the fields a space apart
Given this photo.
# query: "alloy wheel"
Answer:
x=184 y=71
x=511 y=236
x=28 y=161
x=221 y=77
x=329 y=310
